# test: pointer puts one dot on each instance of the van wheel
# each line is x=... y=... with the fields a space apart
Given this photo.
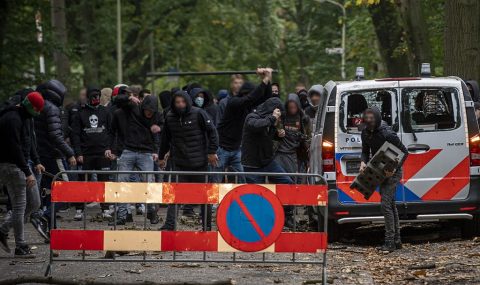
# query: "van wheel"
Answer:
x=471 y=228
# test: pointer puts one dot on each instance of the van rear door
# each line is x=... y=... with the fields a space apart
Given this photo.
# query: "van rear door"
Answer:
x=352 y=101
x=433 y=128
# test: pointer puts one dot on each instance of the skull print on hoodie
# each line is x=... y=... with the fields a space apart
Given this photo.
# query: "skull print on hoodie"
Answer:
x=91 y=129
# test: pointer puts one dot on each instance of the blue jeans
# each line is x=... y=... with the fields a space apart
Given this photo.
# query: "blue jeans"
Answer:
x=228 y=159
x=272 y=167
x=129 y=161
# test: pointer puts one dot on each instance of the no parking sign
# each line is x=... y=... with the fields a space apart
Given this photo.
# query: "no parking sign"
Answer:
x=250 y=218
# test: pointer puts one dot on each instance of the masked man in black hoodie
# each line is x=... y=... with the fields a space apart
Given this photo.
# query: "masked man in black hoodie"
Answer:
x=375 y=134
x=202 y=98
x=191 y=139
x=231 y=124
x=295 y=135
x=135 y=143
x=15 y=173
x=259 y=136
x=91 y=138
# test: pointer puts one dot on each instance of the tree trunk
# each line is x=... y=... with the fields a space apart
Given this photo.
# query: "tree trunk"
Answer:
x=387 y=23
x=60 y=58
x=416 y=33
x=91 y=73
x=4 y=12
x=462 y=39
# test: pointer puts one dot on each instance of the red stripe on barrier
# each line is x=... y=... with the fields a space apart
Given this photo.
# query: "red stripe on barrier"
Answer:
x=190 y=193
x=78 y=192
x=76 y=240
x=189 y=241
x=312 y=195
x=301 y=242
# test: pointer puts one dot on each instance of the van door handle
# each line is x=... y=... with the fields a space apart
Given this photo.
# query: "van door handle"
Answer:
x=416 y=148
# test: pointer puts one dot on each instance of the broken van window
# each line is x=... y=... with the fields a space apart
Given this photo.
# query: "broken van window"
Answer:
x=430 y=109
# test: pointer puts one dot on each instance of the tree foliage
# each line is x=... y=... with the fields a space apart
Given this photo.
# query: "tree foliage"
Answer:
x=206 y=35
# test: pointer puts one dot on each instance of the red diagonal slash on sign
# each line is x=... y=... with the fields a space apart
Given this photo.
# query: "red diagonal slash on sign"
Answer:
x=250 y=217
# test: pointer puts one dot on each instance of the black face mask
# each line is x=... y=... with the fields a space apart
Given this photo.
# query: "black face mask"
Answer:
x=181 y=111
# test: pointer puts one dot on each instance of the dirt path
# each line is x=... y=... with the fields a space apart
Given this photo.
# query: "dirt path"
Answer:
x=448 y=260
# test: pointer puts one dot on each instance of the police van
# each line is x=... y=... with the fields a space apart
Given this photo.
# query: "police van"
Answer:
x=435 y=119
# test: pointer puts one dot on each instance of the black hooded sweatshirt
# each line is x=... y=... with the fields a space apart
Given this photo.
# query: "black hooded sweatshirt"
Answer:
x=297 y=128
x=165 y=102
x=259 y=133
x=91 y=127
x=208 y=105
x=475 y=90
x=372 y=140
x=131 y=129
x=189 y=136
x=13 y=121
x=231 y=125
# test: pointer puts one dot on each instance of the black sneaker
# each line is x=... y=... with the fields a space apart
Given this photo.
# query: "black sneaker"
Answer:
x=120 y=222
x=24 y=251
x=166 y=228
x=153 y=217
x=189 y=213
x=398 y=244
x=41 y=226
x=388 y=246
x=129 y=218
x=289 y=223
x=4 y=243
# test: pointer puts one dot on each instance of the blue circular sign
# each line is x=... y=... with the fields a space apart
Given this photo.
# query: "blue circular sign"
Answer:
x=250 y=218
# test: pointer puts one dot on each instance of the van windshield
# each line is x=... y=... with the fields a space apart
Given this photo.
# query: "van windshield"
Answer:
x=430 y=109
x=354 y=103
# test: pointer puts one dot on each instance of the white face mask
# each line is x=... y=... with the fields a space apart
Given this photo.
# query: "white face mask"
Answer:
x=199 y=101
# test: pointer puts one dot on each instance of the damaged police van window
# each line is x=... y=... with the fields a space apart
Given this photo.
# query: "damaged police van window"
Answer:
x=354 y=103
x=430 y=109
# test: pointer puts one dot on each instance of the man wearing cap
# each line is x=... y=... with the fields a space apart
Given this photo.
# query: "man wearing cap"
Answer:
x=15 y=172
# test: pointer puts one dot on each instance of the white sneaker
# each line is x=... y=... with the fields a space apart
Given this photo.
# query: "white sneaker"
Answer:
x=107 y=214
x=78 y=215
x=140 y=210
x=91 y=205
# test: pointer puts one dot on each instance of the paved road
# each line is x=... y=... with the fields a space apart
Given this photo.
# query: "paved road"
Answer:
x=354 y=261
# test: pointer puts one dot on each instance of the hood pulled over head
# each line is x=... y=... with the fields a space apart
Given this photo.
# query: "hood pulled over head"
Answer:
x=188 y=102
x=150 y=103
x=377 y=115
x=165 y=98
x=206 y=96
x=475 y=93
x=246 y=88
x=292 y=97
x=53 y=91
x=267 y=107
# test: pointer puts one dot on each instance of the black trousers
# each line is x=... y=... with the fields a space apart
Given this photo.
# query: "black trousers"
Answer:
x=94 y=162
x=205 y=209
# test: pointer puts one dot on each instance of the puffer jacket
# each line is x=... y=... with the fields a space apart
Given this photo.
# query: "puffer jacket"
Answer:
x=189 y=136
x=48 y=125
